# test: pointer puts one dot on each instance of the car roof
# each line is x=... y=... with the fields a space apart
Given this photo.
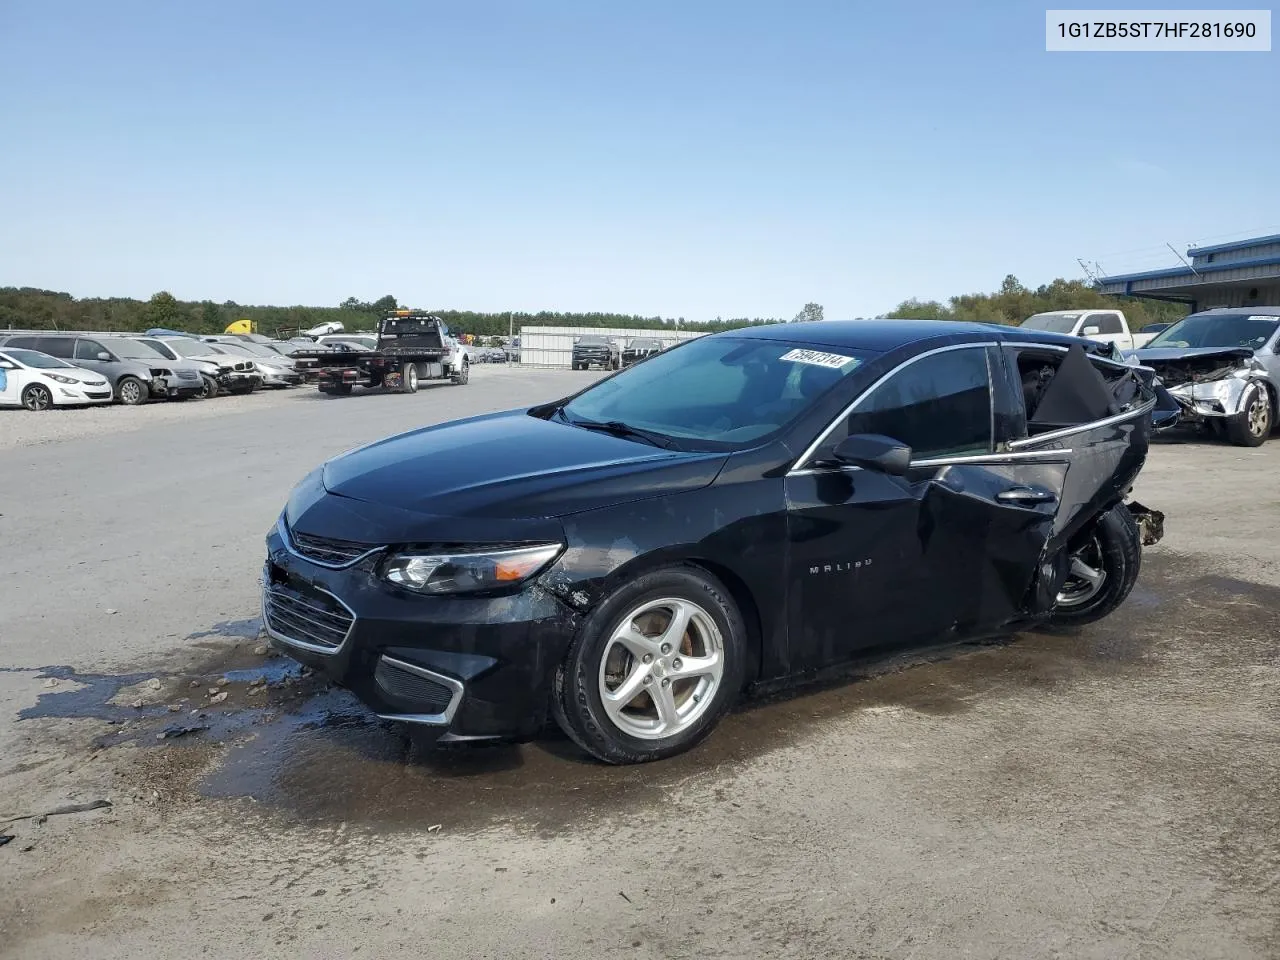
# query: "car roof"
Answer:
x=882 y=336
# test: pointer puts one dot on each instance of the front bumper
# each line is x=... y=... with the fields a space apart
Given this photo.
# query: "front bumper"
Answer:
x=83 y=394
x=281 y=378
x=468 y=667
x=603 y=359
x=1212 y=400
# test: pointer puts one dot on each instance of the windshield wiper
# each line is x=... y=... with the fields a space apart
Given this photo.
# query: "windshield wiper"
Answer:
x=620 y=429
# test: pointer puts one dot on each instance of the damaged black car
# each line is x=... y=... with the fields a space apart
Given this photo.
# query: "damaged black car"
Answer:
x=749 y=508
x=1223 y=370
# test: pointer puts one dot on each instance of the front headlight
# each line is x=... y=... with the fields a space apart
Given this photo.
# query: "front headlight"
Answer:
x=443 y=573
x=61 y=379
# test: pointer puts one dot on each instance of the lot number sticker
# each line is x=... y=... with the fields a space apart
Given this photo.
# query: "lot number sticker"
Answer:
x=833 y=360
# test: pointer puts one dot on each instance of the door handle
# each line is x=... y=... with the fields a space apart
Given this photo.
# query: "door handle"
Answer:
x=1025 y=496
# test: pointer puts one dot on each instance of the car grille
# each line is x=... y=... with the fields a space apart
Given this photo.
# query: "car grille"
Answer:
x=328 y=550
x=188 y=375
x=425 y=695
x=246 y=365
x=97 y=394
x=306 y=616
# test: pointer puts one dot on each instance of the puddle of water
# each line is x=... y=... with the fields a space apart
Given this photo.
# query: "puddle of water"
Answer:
x=309 y=752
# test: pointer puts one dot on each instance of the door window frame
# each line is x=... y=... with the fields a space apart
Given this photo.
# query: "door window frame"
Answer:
x=802 y=464
x=1021 y=444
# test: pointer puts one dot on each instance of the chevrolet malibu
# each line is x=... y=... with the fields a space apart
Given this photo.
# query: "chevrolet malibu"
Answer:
x=749 y=508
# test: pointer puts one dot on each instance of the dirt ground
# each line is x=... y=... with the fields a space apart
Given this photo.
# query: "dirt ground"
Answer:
x=1100 y=794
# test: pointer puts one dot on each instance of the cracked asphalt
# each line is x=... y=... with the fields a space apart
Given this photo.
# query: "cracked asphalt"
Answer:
x=1098 y=794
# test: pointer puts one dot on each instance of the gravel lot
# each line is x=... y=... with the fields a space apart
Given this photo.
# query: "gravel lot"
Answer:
x=1108 y=793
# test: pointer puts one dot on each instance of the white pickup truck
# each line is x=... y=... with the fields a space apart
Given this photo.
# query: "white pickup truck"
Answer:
x=1106 y=326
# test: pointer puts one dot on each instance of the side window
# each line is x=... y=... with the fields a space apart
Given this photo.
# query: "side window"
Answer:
x=939 y=405
x=23 y=343
x=88 y=349
x=1105 y=322
x=56 y=346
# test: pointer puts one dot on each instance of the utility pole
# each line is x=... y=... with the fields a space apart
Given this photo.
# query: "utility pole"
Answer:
x=511 y=325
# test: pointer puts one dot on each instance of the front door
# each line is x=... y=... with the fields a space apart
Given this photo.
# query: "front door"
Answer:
x=878 y=561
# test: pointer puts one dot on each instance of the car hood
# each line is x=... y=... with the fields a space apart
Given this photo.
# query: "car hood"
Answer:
x=513 y=466
x=1158 y=354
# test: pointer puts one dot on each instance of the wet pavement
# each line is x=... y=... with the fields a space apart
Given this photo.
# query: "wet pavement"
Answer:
x=306 y=752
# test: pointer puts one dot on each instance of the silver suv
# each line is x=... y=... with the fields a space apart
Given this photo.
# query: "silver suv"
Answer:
x=132 y=381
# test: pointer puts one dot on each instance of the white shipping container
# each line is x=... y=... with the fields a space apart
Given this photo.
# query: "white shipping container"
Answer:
x=553 y=346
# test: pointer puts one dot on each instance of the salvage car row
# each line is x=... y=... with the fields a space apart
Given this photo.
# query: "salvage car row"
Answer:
x=43 y=370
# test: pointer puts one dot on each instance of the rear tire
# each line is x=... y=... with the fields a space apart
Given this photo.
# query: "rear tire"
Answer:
x=409 y=377
x=1112 y=550
x=633 y=731
x=1252 y=425
x=37 y=397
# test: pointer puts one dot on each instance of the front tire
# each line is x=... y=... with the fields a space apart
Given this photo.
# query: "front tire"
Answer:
x=210 y=388
x=1104 y=568
x=131 y=391
x=1252 y=425
x=653 y=669
x=463 y=375
x=37 y=397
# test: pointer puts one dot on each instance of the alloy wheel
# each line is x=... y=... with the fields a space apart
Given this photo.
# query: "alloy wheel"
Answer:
x=37 y=398
x=1259 y=415
x=1086 y=578
x=661 y=668
x=131 y=392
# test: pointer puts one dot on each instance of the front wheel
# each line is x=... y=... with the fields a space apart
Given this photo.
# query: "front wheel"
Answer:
x=653 y=669
x=464 y=373
x=131 y=391
x=37 y=397
x=209 y=389
x=1252 y=425
x=1104 y=568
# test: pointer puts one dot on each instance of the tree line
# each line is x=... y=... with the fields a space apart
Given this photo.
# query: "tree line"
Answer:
x=35 y=309
x=31 y=308
x=1013 y=303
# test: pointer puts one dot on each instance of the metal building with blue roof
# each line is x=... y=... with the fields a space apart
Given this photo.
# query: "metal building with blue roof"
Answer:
x=1244 y=273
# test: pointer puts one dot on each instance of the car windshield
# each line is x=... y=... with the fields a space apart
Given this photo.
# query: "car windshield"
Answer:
x=38 y=360
x=233 y=348
x=190 y=348
x=644 y=344
x=593 y=342
x=717 y=393
x=1051 y=322
x=253 y=349
x=1218 y=330
x=131 y=349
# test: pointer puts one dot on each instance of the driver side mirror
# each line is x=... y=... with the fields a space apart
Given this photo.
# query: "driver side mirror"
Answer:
x=1090 y=331
x=7 y=365
x=103 y=355
x=872 y=451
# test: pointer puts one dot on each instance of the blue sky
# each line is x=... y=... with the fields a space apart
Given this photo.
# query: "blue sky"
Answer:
x=678 y=158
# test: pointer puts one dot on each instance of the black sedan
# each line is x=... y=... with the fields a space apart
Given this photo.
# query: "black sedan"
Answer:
x=750 y=507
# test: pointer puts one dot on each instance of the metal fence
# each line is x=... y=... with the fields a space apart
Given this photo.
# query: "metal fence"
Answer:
x=553 y=346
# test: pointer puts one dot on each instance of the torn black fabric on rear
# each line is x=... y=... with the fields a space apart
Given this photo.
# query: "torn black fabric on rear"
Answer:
x=1076 y=394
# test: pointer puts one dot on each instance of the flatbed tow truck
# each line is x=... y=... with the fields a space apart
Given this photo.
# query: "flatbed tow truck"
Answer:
x=412 y=346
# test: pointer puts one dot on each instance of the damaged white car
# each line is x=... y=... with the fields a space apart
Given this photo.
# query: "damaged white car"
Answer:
x=1223 y=369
